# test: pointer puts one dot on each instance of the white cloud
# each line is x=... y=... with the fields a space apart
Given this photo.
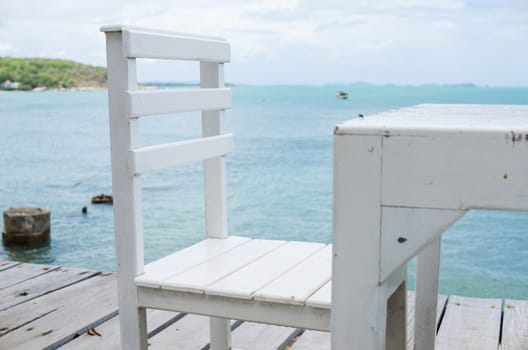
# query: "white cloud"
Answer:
x=429 y=4
x=6 y=47
x=298 y=41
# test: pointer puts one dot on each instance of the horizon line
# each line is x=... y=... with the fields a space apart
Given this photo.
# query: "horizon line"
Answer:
x=353 y=84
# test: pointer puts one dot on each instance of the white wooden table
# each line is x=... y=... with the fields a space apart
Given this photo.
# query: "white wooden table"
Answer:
x=401 y=178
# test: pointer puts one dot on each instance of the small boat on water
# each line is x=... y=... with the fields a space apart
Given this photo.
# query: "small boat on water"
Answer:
x=341 y=95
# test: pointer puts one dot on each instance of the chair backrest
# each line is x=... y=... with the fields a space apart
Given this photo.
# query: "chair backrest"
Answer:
x=127 y=104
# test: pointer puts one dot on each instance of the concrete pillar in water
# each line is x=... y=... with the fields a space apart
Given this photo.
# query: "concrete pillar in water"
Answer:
x=26 y=226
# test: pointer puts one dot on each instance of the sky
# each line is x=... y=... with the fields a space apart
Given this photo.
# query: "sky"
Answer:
x=295 y=41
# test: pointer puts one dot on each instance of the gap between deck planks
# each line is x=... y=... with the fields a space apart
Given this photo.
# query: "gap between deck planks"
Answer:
x=19 y=273
x=55 y=318
x=470 y=323
x=53 y=279
x=515 y=325
x=7 y=264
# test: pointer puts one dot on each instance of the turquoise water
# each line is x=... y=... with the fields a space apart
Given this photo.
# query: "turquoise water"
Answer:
x=55 y=154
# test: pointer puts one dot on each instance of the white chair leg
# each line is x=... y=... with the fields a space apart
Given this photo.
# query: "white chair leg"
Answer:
x=220 y=329
x=133 y=328
x=427 y=269
x=397 y=319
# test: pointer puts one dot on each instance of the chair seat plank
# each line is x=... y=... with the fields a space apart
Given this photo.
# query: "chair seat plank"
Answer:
x=184 y=259
x=322 y=298
x=212 y=270
x=294 y=287
x=258 y=274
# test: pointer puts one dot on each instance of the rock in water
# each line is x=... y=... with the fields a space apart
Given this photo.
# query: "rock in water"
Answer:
x=102 y=199
x=26 y=226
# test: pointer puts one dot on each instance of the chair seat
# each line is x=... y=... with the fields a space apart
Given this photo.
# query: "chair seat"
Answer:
x=273 y=271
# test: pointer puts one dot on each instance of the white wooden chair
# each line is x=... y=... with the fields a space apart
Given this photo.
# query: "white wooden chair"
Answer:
x=223 y=276
x=400 y=179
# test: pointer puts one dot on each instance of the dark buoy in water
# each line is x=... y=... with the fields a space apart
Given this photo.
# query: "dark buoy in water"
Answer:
x=84 y=210
x=26 y=226
x=341 y=95
x=360 y=115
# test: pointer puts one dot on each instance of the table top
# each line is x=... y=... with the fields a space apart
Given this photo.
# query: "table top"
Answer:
x=427 y=119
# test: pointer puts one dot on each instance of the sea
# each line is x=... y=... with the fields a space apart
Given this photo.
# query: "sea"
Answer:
x=55 y=153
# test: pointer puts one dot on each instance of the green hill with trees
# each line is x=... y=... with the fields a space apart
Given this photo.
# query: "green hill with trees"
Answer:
x=32 y=73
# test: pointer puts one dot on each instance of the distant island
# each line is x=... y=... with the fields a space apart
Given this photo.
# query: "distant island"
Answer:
x=43 y=74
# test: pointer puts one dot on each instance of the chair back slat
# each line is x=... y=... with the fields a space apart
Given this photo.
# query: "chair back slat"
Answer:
x=142 y=103
x=154 y=158
x=140 y=44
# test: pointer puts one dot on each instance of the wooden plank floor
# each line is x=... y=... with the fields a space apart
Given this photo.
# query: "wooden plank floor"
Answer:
x=50 y=307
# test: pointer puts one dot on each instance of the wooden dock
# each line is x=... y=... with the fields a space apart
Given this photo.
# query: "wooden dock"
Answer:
x=50 y=307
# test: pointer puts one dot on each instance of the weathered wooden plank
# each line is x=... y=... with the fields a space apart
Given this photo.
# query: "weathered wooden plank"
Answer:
x=410 y=319
x=56 y=318
x=257 y=336
x=312 y=340
x=189 y=333
x=515 y=325
x=441 y=304
x=42 y=284
x=470 y=323
x=106 y=335
x=4 y=265
x=22 y=272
